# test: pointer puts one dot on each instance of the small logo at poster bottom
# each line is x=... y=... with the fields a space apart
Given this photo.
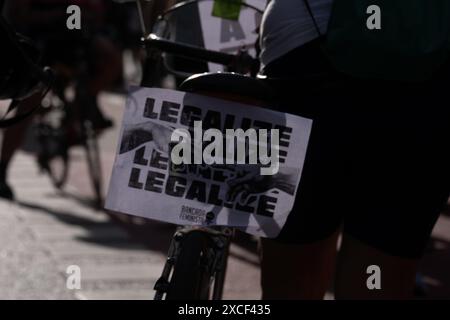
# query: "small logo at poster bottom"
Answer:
x=193 y=215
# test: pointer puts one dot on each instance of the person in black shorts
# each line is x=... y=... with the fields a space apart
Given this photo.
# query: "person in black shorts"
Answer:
x=377 y=169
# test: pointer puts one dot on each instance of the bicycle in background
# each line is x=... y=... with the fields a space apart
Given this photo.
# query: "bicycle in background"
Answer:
x=64 y=123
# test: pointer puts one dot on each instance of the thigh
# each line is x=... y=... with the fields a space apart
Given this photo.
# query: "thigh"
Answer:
x=400 y=178
x=318 y=209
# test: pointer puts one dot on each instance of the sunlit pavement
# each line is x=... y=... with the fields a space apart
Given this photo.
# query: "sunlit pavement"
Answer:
x=46 y=231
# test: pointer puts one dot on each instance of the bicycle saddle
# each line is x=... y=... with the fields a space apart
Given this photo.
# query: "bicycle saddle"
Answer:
x=233 y=85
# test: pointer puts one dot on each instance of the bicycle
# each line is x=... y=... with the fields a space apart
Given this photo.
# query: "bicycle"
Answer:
x=64 y=123
x=197 y=257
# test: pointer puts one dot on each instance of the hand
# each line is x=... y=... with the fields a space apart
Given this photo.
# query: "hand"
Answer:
x=247 y=183
x=137 y=134
x=250 y=182
x=161 y=137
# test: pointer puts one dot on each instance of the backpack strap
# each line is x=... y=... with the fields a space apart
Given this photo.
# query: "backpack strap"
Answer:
x=311 y=13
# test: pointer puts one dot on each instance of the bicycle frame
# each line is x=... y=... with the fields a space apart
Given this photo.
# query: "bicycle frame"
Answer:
x=217 y=254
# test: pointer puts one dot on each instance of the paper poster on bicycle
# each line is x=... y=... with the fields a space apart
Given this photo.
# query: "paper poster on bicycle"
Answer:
x=189 y=159
x=229 y=35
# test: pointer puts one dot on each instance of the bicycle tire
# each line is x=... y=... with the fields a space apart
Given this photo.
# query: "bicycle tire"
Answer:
x=53 y=150
x=93 y=160
x=59 y=179
x=191 y=278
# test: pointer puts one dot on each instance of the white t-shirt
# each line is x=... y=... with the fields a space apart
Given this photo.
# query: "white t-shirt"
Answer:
x=287 y=24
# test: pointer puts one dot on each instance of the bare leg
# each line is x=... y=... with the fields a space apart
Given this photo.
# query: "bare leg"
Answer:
x=297 y=271
x=397 y=274
x=12 y=139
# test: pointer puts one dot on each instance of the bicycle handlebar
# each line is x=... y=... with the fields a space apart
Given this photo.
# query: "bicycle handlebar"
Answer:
x=193 y=52
x=153 y=41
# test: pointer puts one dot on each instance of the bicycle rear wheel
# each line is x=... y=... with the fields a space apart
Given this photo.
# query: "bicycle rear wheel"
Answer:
x=53 y=155
x=93 y=161
x=58 y=168
x=192 y=274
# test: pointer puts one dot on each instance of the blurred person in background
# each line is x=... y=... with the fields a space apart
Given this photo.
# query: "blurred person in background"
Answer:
x=44 y=21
